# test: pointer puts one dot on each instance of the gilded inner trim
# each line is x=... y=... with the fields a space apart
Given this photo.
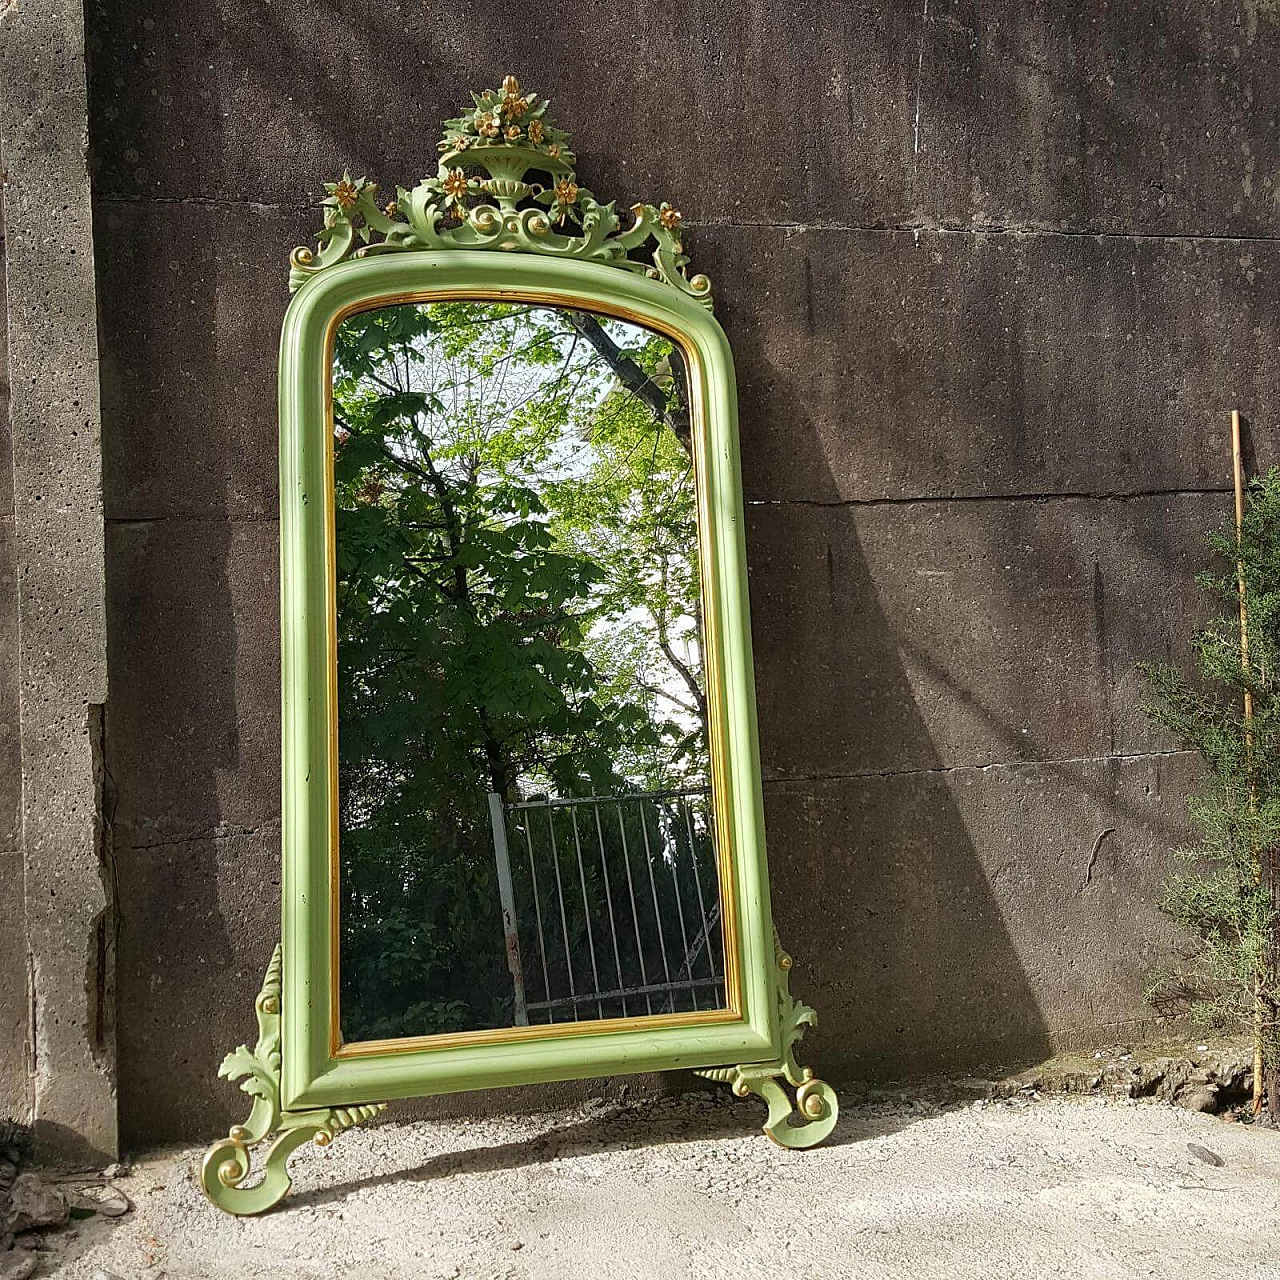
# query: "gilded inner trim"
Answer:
x=717 y=735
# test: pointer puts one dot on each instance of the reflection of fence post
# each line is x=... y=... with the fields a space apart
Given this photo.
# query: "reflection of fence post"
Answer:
x=507 y=896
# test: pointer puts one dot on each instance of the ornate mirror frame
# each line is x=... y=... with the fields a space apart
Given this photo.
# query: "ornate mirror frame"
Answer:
x=497 y=236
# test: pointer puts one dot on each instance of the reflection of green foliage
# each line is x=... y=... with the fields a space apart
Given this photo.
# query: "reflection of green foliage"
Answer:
x=648 y=557
x=499 y=608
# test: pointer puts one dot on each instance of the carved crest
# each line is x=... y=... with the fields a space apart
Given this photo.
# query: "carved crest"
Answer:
x=505 y=181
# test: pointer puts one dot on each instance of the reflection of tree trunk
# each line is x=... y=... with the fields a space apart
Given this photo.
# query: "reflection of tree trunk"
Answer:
x=671 y=410
x=501 y=770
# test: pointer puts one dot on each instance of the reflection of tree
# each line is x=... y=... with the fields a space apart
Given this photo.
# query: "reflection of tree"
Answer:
x=517 y=590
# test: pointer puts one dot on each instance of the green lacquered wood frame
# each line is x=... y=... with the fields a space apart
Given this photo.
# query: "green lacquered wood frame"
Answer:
x=313 y=1074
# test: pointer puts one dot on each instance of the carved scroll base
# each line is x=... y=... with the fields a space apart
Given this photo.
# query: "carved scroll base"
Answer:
x=227 y=1165
x=813 y=1115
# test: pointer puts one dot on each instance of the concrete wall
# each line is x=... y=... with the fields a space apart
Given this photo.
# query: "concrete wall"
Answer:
x=57 y=1000
x=14 y=1018
x=994 y=276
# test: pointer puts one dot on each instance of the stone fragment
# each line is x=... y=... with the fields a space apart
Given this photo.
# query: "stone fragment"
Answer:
x=1204 y=1098
x=34 y=1204
x=17 y=1264
x=15 y=1147
x=1203 y=1153
x=105 y=1199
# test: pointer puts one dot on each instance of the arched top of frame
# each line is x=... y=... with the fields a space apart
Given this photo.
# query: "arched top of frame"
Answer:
x=505 y=181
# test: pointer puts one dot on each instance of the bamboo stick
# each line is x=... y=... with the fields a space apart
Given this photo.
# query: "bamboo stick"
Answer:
x=1237 y=463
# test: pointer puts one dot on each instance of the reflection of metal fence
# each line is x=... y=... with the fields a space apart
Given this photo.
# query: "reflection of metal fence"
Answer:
x=610 y=904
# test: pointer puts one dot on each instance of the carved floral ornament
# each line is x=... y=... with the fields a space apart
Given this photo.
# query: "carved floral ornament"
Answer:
x=482 y=197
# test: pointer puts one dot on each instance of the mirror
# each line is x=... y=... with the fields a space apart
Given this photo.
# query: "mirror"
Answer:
x=525 y=819
x=522 y=828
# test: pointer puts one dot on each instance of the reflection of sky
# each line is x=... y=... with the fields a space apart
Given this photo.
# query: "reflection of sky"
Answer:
x=480 y=403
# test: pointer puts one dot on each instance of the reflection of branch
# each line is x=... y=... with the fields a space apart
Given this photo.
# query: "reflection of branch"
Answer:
x=684 y=672
x=671 y=411
x=658 y=691
x=659 y=616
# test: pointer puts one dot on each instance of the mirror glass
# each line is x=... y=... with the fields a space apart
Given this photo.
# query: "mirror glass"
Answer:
x=526 y=831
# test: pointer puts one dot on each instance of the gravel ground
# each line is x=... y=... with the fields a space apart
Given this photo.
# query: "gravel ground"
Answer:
x=688 y=1187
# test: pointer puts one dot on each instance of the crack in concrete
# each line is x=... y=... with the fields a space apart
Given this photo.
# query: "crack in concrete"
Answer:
x=976 y=768
x=104 y=928
x=32 y=1050
x=1065 y=496
x=223 y=831
x=212 y=517
x=928 y=227
x=208 y=202
x=924 y=26
x=230 y=517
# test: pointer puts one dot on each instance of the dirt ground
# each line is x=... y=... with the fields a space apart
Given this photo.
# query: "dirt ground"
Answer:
x=689 y=1187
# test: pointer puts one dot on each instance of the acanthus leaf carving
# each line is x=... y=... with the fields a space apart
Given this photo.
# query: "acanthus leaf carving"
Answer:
x=505 y=182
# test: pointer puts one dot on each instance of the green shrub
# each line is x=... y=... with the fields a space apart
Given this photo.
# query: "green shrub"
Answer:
x=1222 y=890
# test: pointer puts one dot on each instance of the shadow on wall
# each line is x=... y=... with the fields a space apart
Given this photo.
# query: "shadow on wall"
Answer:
x=878 y=888
x=188 y=378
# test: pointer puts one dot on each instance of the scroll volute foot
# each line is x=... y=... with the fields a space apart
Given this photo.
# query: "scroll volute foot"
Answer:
x=808 y=1120
x=228 y=1165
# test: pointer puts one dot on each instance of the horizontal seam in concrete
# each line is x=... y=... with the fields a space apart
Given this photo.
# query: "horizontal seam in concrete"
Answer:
x=206 y=202
x=223 y=517
x=1068 y=496
x=919 y=229
x=215 y=517
x=874 y=228
x=230 y=833
x=977 y=768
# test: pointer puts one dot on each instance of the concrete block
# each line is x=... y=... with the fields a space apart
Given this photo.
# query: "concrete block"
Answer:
x=929 y=635
x=859 y=114
x=191 y=305
x=876 y=365
x=1086 y=118
x=194 y=741
x=713 y=110
x=51 y=320
x=973 y=918
x=198 y=923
